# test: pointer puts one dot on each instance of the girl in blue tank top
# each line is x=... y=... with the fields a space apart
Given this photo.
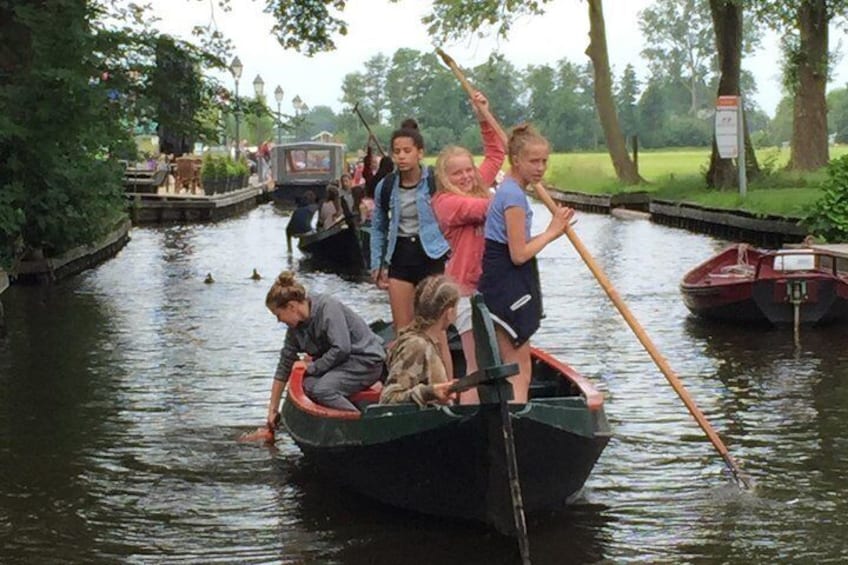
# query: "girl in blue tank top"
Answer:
x=510 y=280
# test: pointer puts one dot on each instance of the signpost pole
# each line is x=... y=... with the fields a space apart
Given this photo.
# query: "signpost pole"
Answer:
x=740 y=161
x=730 y=135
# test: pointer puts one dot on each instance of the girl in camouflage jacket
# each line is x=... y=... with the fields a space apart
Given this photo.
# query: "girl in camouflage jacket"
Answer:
x=416 y=362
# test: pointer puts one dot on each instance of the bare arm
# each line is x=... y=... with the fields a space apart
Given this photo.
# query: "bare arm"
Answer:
x=522 y=250
x=274 y=402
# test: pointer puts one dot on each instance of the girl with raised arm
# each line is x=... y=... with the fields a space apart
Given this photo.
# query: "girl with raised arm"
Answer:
x=461 y=203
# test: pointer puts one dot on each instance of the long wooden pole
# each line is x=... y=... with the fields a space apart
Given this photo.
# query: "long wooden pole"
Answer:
x=367 y=127
x=471 y=91
x=660 y=361
x=646 y=342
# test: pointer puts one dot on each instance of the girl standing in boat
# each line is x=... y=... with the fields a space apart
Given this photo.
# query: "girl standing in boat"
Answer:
x=405 y=234
x=347 y=356
x=510 y=279
x=460 y=204
x=417 y=367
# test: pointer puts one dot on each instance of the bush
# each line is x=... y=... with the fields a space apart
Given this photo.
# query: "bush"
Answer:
x=828 y=217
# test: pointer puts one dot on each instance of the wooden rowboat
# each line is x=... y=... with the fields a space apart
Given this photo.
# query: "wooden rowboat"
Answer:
x=745 y=284
x=344 y=247
x=450 y=460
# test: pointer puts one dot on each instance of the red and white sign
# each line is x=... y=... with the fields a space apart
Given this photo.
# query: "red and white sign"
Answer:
x=727 y=125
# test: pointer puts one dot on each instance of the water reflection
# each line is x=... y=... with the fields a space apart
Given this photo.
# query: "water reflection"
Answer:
x=122 y=392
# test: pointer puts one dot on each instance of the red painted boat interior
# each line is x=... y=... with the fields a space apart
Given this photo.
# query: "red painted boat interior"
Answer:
x=743 y=264
x=296 y=394
x=594 y=398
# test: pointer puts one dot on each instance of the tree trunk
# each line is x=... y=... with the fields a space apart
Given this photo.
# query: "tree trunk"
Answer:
x=625 y=170
x=809 y=116
x=727 y=21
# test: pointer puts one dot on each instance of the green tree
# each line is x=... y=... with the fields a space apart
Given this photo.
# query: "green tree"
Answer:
x=404 y=87
x=353 y=95
x=66 y=101
x=374 y=85
x=804 y=26
x=497 y=79
x=837 y=115
x=727 y=16
x=652 y=112
x=454 y=18
x=626 y=99
x=680 y=43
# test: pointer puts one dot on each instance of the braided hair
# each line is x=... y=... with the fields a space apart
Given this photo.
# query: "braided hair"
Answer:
x=433 y=296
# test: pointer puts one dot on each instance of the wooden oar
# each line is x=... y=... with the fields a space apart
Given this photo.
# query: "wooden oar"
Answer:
x=471 y=91
x=646 y=342
x=660 y=361
x=370 y=133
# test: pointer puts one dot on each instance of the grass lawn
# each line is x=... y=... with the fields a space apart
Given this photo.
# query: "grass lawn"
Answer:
x=678 y=174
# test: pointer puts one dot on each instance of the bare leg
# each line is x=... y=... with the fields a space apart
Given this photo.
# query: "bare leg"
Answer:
x=520 y=355
x=469 y=396
x=401 y=298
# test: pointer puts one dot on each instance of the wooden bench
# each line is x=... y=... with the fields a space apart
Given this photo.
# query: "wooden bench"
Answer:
x=144 y=180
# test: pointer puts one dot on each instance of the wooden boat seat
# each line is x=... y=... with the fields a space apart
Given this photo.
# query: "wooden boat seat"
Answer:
x=741 y=270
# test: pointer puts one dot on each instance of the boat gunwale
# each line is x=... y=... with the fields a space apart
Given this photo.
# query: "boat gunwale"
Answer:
x=593 y=398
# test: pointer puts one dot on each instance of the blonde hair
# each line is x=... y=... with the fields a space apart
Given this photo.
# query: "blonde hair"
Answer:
x=443 y=184
x=433 y=296
x=520 y=137
x=284 y=290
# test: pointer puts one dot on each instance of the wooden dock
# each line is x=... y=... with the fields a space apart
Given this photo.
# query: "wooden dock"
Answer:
x=146 y=208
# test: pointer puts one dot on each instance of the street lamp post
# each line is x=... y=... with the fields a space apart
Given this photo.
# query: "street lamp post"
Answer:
x=259 y=90
x=236 y=68
x=278 y=96
x=298 y=107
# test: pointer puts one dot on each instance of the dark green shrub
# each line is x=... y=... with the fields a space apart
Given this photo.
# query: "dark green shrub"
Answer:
x=828 y=218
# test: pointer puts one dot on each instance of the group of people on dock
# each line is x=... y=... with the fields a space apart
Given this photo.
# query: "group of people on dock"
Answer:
x=438 y=235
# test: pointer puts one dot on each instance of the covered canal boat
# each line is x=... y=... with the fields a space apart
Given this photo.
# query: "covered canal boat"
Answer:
x=298 y=167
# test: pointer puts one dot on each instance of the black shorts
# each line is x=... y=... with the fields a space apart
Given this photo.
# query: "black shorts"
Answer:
x=411 y=264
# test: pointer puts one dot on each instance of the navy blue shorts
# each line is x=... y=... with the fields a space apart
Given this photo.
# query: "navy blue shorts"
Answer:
x=512 y=292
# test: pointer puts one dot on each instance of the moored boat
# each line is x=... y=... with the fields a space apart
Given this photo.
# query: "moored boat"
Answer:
x=451 y=461
x=745 y=284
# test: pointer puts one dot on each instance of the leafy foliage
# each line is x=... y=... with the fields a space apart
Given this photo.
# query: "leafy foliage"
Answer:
x=307 y=25
x=828 y=218
x=451 y=19
x=65 y=101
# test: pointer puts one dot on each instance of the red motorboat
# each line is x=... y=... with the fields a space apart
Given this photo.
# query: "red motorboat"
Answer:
x=806 y=285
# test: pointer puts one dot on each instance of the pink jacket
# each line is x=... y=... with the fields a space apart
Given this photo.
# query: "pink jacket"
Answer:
x=461 y=218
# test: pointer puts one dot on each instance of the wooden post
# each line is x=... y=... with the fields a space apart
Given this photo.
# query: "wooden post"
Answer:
x=635 y=142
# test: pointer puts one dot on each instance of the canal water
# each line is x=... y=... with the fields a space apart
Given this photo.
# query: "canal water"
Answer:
x=123 y=390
